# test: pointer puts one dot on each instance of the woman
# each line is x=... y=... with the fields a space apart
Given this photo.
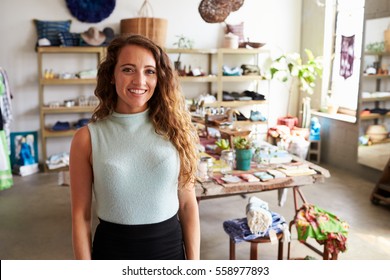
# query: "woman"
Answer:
x=138 y=156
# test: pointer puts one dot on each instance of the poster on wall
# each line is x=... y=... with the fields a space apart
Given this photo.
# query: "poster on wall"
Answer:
x=24 y=148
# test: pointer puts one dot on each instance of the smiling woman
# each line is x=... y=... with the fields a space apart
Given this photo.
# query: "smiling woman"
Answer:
x=139 y=149
x=91 y=11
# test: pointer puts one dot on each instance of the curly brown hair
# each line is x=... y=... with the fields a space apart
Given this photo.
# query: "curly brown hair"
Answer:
x=167 y=108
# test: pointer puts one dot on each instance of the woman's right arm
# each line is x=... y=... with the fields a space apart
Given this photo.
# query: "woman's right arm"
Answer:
x=81 y=179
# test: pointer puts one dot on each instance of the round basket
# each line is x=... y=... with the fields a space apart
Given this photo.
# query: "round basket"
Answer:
x=377 y=133
x=153 y=28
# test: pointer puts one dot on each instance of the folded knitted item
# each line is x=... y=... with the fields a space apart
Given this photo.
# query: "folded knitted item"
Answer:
x=258 y=216
x=238 y=229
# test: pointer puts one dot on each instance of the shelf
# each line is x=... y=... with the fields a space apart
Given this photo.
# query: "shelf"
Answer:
x=191 y=51
x=377 y=53
x=67 y=110
x=199 y=79
x=47 y=133
x=248 y=78
x=374 y=116
x=215 y=51
x=67 y=81
x=235 y=103
x=66 y=168
x=376 y=76
x=374 y=99
x=56 y=50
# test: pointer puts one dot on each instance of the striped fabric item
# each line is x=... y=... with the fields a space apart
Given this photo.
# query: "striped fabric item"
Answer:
x=239 y=231
x=51 y=29
x=69 y=39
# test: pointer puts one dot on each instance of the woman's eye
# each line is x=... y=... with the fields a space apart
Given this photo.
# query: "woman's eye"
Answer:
x=128 y=69
x=150 y=71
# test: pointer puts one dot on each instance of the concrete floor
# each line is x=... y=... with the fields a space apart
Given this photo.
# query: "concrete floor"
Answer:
x=35 y=220
x=375 y=156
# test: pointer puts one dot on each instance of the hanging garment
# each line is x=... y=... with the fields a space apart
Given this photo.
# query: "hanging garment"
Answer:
x=6 y=180
x=5 y=105
x=347 y=56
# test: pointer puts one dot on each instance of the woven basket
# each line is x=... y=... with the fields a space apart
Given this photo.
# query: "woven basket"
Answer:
x=153 y=28
x=387 y=40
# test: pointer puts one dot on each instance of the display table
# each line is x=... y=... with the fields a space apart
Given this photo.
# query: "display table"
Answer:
x=216 y=189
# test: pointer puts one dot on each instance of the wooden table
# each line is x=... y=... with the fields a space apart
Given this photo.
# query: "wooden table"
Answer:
x=213 y=189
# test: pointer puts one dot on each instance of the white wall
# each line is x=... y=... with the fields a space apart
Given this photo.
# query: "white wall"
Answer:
x=275 y=22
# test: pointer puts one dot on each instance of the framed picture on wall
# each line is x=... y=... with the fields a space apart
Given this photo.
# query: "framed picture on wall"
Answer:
x=24 y=148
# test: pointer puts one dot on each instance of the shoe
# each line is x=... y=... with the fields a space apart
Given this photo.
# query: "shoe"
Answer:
x=257 y=116
x=226 y=96
x=240 y=116
x=236 y=71
x=81 y=123
x=254 y=95
x=61 y=126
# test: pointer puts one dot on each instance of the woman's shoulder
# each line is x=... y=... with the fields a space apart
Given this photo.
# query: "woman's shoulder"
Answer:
x=82 y=136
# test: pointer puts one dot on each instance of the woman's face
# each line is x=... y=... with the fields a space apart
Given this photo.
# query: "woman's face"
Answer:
x=135 y=78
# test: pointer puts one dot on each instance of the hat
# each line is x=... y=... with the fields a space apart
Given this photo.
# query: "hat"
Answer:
x=109 y=33
x=93 y=36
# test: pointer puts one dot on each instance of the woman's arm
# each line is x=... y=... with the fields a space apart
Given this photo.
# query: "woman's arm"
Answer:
x=189 y=219
x=80 y=168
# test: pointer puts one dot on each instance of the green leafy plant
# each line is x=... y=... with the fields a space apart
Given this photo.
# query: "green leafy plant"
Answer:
x=307 y=73
x=376 y=47
x=223 y=144
x=242 y=143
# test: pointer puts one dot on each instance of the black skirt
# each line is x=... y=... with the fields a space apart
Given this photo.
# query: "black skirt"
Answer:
x=159 y=241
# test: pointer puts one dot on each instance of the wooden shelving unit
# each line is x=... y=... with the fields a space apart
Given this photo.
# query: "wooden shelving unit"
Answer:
x=218 y=77
x=381 y=192
x=379 y=101
x=44 y=83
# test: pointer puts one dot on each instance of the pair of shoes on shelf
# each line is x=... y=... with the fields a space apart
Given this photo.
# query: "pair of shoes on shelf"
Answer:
x=61 y=126
x=257 y=116
x=81 y=123
x=240 y=116
x=254 y=95
x=236 y=71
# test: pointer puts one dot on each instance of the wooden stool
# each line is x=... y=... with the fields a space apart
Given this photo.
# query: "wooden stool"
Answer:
x=254 y=243
x=326 y=255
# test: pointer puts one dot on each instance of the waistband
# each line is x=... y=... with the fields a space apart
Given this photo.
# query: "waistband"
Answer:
x=142 y=227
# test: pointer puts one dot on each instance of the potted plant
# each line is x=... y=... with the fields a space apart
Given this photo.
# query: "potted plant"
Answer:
x=222 y=145
x=243 y=148
x=291 y=65
x=182 y=43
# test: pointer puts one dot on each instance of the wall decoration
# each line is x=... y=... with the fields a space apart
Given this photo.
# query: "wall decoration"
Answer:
x=214 y=11
x=91 y=11
x=347 y=56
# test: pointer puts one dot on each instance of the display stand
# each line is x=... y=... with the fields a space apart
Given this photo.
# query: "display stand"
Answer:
x=381 y=192
x=314 y=153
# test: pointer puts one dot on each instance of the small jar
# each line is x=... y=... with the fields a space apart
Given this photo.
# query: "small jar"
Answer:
x=205 y=169
x=227 y=162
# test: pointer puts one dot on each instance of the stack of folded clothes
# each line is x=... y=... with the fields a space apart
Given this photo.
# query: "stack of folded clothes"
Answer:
x=260 y=222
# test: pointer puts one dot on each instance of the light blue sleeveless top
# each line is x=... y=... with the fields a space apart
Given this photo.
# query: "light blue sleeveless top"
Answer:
x=135 y=170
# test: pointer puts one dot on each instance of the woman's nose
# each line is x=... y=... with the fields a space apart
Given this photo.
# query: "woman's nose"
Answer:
x=139 y=78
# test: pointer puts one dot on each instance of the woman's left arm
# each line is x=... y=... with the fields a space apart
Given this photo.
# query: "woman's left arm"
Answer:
x=189 y=219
